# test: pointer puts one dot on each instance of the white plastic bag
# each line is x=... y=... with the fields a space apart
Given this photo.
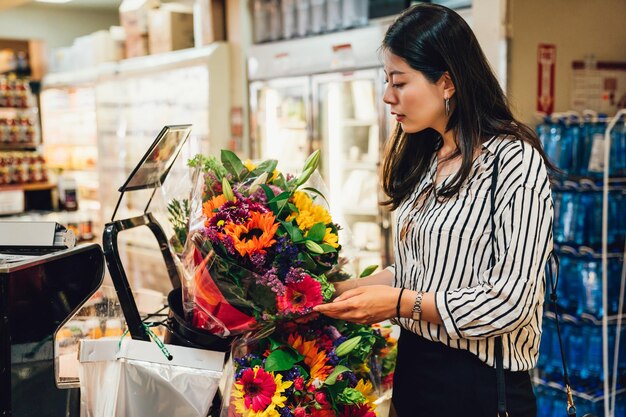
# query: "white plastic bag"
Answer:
x=135 y=379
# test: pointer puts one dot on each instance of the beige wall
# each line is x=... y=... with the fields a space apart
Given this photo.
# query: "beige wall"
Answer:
x=576 y=27
x=56 y=26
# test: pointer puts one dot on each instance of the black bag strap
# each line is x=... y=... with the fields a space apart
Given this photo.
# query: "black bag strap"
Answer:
x=498 y=340
x=553 y=274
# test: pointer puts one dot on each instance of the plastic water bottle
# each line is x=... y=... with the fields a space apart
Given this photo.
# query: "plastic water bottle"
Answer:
x=593 y=365
x=575 y=348
x=568 y=222
x=586 y=143
x=590 y=301
x=618 y=149
x=565 y=152
x=596 y=160
x=575 y=140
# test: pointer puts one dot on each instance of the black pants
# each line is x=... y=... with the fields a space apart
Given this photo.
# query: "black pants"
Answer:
x=434 y=380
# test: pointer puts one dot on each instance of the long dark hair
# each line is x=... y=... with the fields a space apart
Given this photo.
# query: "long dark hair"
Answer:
x=433 y=39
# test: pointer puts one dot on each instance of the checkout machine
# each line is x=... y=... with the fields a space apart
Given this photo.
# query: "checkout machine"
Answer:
x=44 y=280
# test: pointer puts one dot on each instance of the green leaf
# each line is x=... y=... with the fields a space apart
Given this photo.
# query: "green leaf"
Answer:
x=327 y=248
x=368 y=271
x=232 y=163
x=280 y=360
x=315 y=191
x=309 y=263
x=268 y=191
x=317 y=232
x=267 y=166
x=313 y=247
x=274 y=344
x=347 y=346
x=332 y=378
x=303 y=373
x=294 y=232
x=280 y=197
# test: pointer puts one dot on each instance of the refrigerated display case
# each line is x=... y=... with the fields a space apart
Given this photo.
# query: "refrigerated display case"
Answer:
x=326 y=93
x=348 y=125
x=282 y=120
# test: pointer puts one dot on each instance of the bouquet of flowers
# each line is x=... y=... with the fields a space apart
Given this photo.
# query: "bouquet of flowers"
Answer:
x=260 y=251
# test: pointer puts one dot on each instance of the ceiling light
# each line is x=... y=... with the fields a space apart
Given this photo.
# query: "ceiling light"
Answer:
x=53 y=1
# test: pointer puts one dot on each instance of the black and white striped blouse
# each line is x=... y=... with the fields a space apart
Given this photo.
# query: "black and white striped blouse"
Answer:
x=445 y=247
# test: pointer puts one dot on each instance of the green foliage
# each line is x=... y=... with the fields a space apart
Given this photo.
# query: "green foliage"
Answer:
x=179 y=217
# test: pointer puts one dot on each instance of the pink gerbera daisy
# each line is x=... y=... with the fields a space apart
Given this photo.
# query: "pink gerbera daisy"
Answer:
x=300 y=297
x=258 y=388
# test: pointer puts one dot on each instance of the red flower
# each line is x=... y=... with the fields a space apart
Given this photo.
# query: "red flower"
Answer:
x=299 y=412
x=258 y=389
x=300 y=297
x=320 y=397
x=298 y=383
x=356 y=411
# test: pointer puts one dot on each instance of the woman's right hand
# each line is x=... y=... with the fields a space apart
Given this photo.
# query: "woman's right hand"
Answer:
x=343 y=286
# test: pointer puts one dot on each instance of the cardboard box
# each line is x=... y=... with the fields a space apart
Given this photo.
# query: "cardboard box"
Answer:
x=136 y=45
x=134 y=15
x=170 y=29
x=209 y=21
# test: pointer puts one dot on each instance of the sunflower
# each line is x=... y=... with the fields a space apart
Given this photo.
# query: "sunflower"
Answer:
x=258 y=393
x=308 y=213
x=256 y=235
x=331 y=238
x=250 y=166
x=314 y=357
x=209 y=207
x=366 y=389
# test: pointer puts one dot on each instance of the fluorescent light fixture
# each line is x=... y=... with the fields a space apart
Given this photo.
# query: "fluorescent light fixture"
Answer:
x=53 y=1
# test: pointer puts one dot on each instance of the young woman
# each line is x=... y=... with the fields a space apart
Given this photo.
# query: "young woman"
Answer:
x=456 y=285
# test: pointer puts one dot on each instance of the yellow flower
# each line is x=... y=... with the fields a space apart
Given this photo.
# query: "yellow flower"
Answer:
x=259 y=393
x=308 y=213
x=330 y=238
x=366 y=389
x=249 y=165
x=275 y=175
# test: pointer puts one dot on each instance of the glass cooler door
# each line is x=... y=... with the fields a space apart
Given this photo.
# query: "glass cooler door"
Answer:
x=280 y=121
x=348 y=124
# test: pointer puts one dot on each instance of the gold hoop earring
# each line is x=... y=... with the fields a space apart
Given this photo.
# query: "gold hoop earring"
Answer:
x=447 y=102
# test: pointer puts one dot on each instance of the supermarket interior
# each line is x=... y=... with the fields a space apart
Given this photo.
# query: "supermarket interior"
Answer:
x=87 y=88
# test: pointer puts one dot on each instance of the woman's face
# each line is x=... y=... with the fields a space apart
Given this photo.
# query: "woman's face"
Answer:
x=416 y=103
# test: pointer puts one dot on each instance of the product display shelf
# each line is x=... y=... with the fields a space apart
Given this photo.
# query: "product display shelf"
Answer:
x=591 y=288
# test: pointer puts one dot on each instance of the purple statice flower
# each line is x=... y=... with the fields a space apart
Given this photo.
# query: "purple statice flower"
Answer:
x=351 y=378
x=271 y=280
x=339 y=340
x=295 y=275
x=258 y=260
x=286 y=255
x=259 y=196
x=292 y=374
x=285 y=412
x=332 y=332
x=333 y=359
x=289 y=177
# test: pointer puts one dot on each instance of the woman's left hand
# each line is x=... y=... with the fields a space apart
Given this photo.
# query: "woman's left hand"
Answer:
x=365 y=305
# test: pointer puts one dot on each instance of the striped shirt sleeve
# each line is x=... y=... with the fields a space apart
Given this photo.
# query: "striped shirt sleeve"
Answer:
x=507 y=293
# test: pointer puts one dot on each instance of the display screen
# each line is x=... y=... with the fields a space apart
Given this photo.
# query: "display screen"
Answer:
x=156 y=163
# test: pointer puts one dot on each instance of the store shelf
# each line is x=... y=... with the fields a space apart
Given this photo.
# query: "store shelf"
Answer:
x=577 y=183
x=28 y=187
x=18 y=147
x=18 y=110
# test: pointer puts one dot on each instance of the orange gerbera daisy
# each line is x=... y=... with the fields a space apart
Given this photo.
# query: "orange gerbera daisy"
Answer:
x=256 y=235
x=314 y=357
x=209 y=207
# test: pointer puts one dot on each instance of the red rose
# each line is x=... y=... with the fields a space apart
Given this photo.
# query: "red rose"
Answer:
x=298 y=383
x=320 y=397
x=299 y=412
